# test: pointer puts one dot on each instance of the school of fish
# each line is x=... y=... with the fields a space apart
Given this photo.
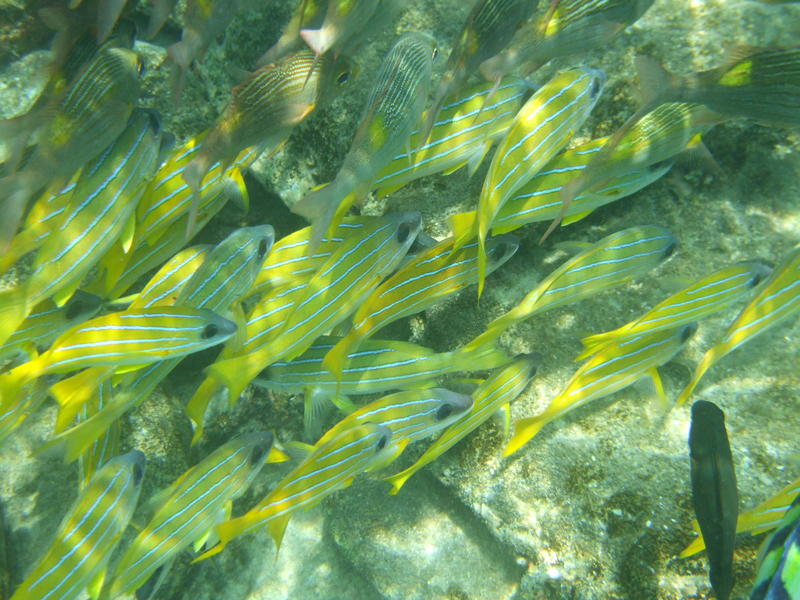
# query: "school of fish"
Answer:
x=103 y=210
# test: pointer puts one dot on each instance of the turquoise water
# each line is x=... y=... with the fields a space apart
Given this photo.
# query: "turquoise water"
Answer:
x=598 y=505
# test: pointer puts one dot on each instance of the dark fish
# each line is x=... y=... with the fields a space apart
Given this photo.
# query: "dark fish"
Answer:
x=714 y=492
x=489 y=28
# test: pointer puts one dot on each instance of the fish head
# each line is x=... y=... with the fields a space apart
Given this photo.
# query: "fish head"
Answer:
x=135 y=461
x=260 y=444
x=759 y=271
x=408 y=225
x=501 y=248
x=218 y=329
x=452 y=406
x=530 y=359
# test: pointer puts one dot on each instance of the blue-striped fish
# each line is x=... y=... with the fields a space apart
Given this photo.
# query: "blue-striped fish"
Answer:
x=494 y=394
x=411 y=415
x=335 y=292
x=569 y=27
x=614 y=367
x=129 y=340
x=754 y=521
x=540 y=198
x=103 y=449
x=778 y=573
x=612 y=261
x=541 y=129
x=392 y=110
x=47 y=322
x=105 y=199
x=430 y=276
x=330 y=467
x=90 y=116
x=709 y=295
x=776 y=301
x=461 y=134
x=87 y=536
x=489 y=27
x=187 y=510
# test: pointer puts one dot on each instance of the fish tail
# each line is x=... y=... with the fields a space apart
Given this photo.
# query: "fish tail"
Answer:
x=319 y=40
x=319 y=207
x=698 y=544
x=593 y=343
x=237 y=373
x=12 y=384
x=464 y=226
x=709 y=358
x=197 y=406
x=524 y=430
x=399 y=479
x=74 y=392
x=481 y=263
x=277 y=528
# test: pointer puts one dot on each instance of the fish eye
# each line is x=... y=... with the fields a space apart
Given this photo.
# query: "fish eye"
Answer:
x=138 y=472
x=263 y=247
x=445 y=410
x=382 y=442
x=403 y=232
x=596 y=87
x=209 y=331
x=343 y=77
x=670 y=250
x=257 y=455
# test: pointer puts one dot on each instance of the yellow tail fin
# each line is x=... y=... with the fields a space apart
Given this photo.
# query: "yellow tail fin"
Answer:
x=72 y=393
x=524 y=430
x=197 y=406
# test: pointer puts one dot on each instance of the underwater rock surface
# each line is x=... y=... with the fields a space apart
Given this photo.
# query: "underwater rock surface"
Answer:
x=598 y=505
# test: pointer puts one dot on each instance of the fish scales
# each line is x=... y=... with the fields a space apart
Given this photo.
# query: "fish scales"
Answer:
x=189 y=508
x=777 y=300
x=84 y=541
x=543 y=126
x=709 y=295
x=430 y=276
x=498 y=390
x=615 y=367
x=328 y=468
x=334 y=292
x=394 y=107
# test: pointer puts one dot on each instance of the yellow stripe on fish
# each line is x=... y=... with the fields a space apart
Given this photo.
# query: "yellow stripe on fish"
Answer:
x=104 y=201
x=709 y=295
x=612 y=261
x=131 y=339
x=430 y=276
x=87 y=536
x=759 y=519
x=330 y=467
x=104 y=448
x=392 y=110
x=776 y=301
x=188 y=510
x=616 y=366
x=541 y=129
x=335 y=291
x=462 y=135
x=501 y=388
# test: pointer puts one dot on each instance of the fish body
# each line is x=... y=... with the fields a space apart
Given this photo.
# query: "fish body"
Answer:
x=378 y=366
x=392 y=110
x=265 y=107
x=778 y=572
x=759 y=519
x=165 y=286
x=104 y=448
x=709 y=295
x=461 y=134
x=307 y=15
x=571 y=27
x=189 y=509
x=541 y=129
x=105 y=197
x=411 y=415
x=714 y=493
x=614 y=367
x=489 y=27
x=540 y=198
x=93 y=525
x=330 y=467
x=429 y=277
x=612 y=261
x=777 y=300
x=47 y=322
x=497 y=391
x=92 y=114
x=335 y=292
x=343 y=20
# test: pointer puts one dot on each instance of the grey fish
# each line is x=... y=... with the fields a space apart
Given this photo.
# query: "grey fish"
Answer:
x=714 y=492
x=393 y=109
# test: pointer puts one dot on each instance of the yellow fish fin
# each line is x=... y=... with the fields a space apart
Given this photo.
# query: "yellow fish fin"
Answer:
x=337 y=357
x=709 y=358
x=464 y=226
x=62 y=296
x=570 y=219
x=524 y=430
x=316 y=406
x=126 y=239
x=398 y=480
x=277 y=528
x=698 y=544
x=276 y=455
x=658 y=386
x=389 y=189
x=96 y=585
x=481 y=264
x=593 y=343
x=389 y=458
x=13 y=310
x=236 y=374
x=198 y=404
x=476 y=159
x=73 y=392
x=13 y=382
x=343 y=403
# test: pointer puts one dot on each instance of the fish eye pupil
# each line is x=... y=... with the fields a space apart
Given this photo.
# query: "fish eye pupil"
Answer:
x=445 y=410
x=343 y=77
x=595 y=87
x=262 y=248
x=138 y=473
x=382 y=443
x=403 y=232
x=210 y=331
x=670 y=250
